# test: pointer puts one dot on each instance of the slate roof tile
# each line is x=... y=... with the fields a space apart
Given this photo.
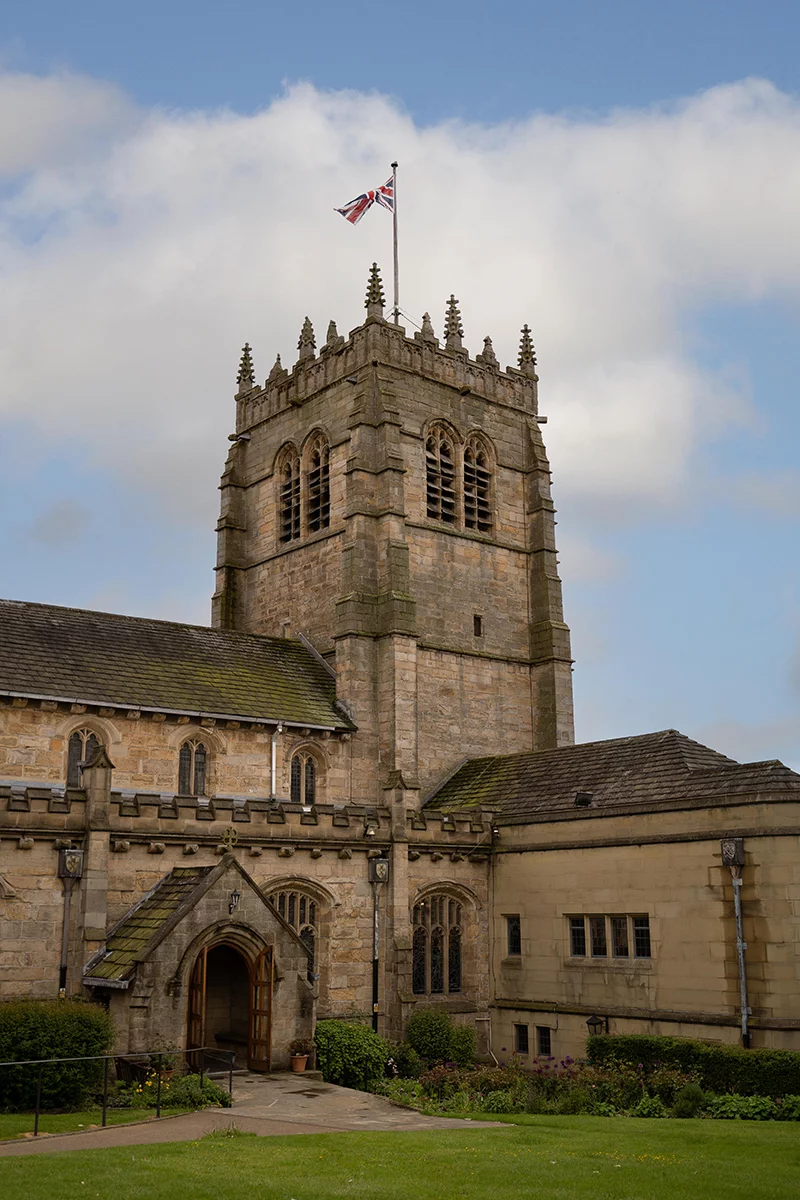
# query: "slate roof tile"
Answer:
x=654 y=768
x=135 y=662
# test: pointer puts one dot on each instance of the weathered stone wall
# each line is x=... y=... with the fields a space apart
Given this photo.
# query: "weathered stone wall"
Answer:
x=666 y=865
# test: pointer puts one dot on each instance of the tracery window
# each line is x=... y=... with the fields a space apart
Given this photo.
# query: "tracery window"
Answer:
x=436 y=947
x=303 y=779
x=289 y=515
x=82 y=745
x=192 y=769
x=440 y=477
x=477 y=485
x=300 y=911
x=319 y=486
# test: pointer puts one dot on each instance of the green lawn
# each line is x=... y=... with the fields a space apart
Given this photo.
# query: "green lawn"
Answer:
x=13 y=1125
x=546 y=1158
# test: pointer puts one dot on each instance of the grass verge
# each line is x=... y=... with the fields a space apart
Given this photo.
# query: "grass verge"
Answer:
x=547 y=1158
x=14 y=1125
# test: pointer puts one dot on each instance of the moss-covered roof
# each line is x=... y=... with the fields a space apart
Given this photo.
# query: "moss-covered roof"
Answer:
x=128 y=941
x=102 y=658
x=654 y=768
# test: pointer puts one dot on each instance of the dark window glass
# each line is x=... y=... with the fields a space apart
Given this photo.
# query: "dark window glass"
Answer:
x=641 y=937
x=440 y=478
x=514 y=935
x=577 y=937
x=185 y=770
x=310 y=788
x=477 y=625
x=200 y=770
x=419 y=966
x=437 y=961
x=454 y=960
x=597 y=933
x=297 y=772
x=521 y=1039
x=477 y=513
x=74 y=760
x=303 y=906
x=307 y=936
x=282 y=904
x=292 y=908
x=543 y=1043
x=319 y=488
x=619 y=937
x=312 y=912
x=91 y=745
x=290 y=501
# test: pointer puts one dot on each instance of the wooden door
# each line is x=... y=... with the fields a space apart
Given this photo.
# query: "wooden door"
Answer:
x=260 y=1045
x=197 y=1003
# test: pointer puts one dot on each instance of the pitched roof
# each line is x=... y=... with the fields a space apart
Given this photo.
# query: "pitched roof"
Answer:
x=102 y=658
x=128 y=941
x=654 y=768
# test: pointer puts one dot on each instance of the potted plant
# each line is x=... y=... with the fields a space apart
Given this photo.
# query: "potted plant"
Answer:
x=300 y=1050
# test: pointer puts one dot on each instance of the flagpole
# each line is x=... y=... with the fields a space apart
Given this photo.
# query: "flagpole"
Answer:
x=394 y=234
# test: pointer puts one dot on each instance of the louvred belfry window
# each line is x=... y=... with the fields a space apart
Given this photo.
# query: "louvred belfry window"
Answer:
x=477 y=484
x=436 y=947
x=82 y=745
x=290 y=499
x=319 y=486
x=440 y=477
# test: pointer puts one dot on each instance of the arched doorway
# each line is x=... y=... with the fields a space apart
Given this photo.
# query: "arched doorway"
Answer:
x=230 y=1003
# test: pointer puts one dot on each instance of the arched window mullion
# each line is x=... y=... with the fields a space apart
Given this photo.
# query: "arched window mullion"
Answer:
x=319 y=487
x=440 y=477
x=289 y=515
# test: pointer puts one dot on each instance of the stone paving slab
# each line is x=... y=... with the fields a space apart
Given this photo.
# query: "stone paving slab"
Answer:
x=267 y=1105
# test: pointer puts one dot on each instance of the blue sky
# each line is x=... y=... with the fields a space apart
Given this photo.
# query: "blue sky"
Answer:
x=601 y=170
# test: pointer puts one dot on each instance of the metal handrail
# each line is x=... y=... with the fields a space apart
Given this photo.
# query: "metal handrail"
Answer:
x=106 y=1058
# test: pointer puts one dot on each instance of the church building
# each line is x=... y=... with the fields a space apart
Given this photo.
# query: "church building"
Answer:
x=358 y=790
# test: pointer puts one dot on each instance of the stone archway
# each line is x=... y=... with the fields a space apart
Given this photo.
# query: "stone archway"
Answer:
x=230 y=1003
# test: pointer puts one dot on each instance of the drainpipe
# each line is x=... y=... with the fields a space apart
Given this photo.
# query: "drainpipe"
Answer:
x=733 y=858
x=273 y=774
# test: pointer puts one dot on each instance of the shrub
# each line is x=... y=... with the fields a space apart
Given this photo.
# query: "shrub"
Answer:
x=430 y=1032
x=462 y=1045
x=741 y=1108
x=717 y=1068
x=187 y=1093
x=441 y=1081
x=405 y=1061
x=350 y=1054
x=789 y=1108
x=31 y=1029
x=650 y=1106
x=688 y=1101
x=666 y=1082
x=574 y=1100
x=500 y=1102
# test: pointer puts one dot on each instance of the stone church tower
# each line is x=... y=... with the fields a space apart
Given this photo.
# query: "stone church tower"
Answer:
x=389 y=500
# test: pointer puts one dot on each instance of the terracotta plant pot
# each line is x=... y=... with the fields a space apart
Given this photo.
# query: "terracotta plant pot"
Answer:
x=299 y=1062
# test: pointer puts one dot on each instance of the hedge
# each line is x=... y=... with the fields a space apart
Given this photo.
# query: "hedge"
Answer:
x=350 y=1054
x=31 y=1029
x=719 y=1068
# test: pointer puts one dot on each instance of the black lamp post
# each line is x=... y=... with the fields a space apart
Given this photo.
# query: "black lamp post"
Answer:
x=378 y=874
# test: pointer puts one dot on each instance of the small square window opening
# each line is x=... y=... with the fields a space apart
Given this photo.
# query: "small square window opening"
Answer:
x=477 y=625
x=520 y=1039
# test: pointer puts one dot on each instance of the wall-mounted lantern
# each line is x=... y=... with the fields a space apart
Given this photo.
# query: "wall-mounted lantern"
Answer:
x=233 y=903
x=597 y=1025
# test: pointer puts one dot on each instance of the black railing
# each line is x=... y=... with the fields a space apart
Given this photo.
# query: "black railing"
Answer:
x=143 y=1062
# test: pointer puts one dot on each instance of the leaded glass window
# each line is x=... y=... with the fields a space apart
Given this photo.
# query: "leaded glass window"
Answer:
x=437 y=946
x=477 y=484
x=192 y=769
x=440 y=477
x=299 y=910
x=82 y=745
x=304 y=780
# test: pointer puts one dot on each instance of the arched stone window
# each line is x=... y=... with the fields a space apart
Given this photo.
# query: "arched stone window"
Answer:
x=318 y=483
x=436 y=946
x=303 y=779
x=477 y=486
x=300 y=910
x=440 y=476
x=192 y=763
x=289 y=499
x=81 y=747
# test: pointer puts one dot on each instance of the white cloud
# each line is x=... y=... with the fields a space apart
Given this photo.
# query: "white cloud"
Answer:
x=140 y=249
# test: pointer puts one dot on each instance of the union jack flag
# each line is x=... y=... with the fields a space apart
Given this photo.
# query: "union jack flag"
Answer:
x=384 y=195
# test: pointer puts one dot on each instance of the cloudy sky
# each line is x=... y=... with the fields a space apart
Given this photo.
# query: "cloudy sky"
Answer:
x=623 y=176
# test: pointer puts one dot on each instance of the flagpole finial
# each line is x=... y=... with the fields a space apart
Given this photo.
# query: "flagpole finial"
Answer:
x=375 y=298
x=453 y=330
x=307 y=343
x=246 y=378
x=527 y=354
